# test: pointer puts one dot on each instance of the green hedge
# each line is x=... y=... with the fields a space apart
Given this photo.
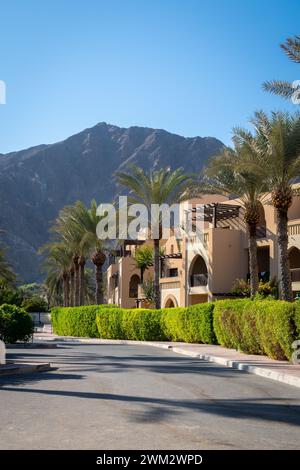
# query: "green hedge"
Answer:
x=75 y=321
x=257 y=327
x=15 y=324
x=252 y=326
x=109 y=322
x=134 y=324
x=192 y=324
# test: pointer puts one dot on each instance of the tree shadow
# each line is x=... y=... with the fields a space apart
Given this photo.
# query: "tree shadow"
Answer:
x=158 y=409
x=36 y=377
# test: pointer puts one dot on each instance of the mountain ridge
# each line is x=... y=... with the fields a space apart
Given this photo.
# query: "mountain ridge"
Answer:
x=36 y=182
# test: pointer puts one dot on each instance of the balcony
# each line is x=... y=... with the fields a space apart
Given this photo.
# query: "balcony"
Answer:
x=295 y=274
x=198 y=280
x=294 y=228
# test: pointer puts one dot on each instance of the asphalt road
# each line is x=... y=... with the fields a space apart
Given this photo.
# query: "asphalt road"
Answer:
x=137 y=397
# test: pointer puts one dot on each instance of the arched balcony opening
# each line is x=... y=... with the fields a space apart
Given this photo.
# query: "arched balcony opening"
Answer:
x=134 y=286
x=198 y=272
x=294 y=259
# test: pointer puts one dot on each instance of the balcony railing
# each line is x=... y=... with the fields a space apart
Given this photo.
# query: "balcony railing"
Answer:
x=294 y=229
x=295 y=274
x=199 y=280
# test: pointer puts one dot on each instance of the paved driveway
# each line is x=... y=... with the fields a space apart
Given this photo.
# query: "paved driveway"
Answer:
x=138 y=397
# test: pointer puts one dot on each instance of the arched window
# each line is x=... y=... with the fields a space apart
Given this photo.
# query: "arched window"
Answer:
x=198 y=272
x=170 y=302
x=294 y=259
x=134 y=286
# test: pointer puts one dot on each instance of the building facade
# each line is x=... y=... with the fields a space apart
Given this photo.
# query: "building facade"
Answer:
x=203 y=267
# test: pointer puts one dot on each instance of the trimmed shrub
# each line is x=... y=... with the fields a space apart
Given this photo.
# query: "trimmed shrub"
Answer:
x=193 y=324
x=228 y=322
x=297 y=319
x=75 y=321
x=109 y=323
x=15 y=324
x=143 y=325
x=256 y=327
x=173 y=323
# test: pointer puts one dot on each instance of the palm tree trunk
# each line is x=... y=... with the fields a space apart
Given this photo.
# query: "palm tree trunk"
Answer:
x=72 y=287
x=77 y=281
x=66 y=290
x=99 y=284
x=81 y=278
x=284 y=265
x=98 y=259
x=253 y=264
x=156 y=273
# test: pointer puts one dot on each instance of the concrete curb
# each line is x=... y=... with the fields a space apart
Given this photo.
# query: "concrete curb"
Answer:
x=266 y=372
x=29 y=368
x=49 y=345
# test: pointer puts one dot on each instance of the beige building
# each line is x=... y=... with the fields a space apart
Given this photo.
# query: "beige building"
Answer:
x=200 y=268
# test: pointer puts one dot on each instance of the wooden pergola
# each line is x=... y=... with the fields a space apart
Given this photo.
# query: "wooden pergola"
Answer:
x=216 y=212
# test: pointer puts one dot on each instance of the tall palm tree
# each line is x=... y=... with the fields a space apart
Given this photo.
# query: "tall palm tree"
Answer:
x=156 y=187
x=226 y=175
x=87 y=221
x=57 y=265
x=280 y=87
x=67 y=229
x=278 y=160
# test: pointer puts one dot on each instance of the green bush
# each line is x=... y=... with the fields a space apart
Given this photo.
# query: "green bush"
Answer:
x=193 y=324
x=15 y=324
x=143 y=325
x=256 y=327
x=227 y=322
x=9 y=295
x=173 y=323
x=75 y=321
x=297 y=319
x=35 y=304
x=133 y=324
x=109 y=322
x=253 y=326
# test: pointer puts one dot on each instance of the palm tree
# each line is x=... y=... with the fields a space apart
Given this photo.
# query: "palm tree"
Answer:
x=156 y=187
x=57 y=265
x=6 y=272
x=67 y=229
x=143 y=258
x=87 y=221
x=226 y=175
x=278 y=160
x=280 y=87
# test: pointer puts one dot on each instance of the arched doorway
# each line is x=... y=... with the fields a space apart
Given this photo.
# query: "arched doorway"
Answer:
x=170 y=302
x=294 y=259
x=198 y=272
x=134 y=286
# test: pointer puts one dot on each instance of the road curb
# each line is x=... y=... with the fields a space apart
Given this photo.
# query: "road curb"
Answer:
x=265 y=372
x=17 y=369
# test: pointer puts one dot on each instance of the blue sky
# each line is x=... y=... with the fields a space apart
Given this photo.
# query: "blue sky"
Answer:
x=192 y=67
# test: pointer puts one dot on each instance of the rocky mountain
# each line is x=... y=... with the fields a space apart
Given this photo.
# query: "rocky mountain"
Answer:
x=37 y=182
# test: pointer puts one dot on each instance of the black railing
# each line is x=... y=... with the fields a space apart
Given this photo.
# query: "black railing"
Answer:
x=199 y=280
x=263 y=276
